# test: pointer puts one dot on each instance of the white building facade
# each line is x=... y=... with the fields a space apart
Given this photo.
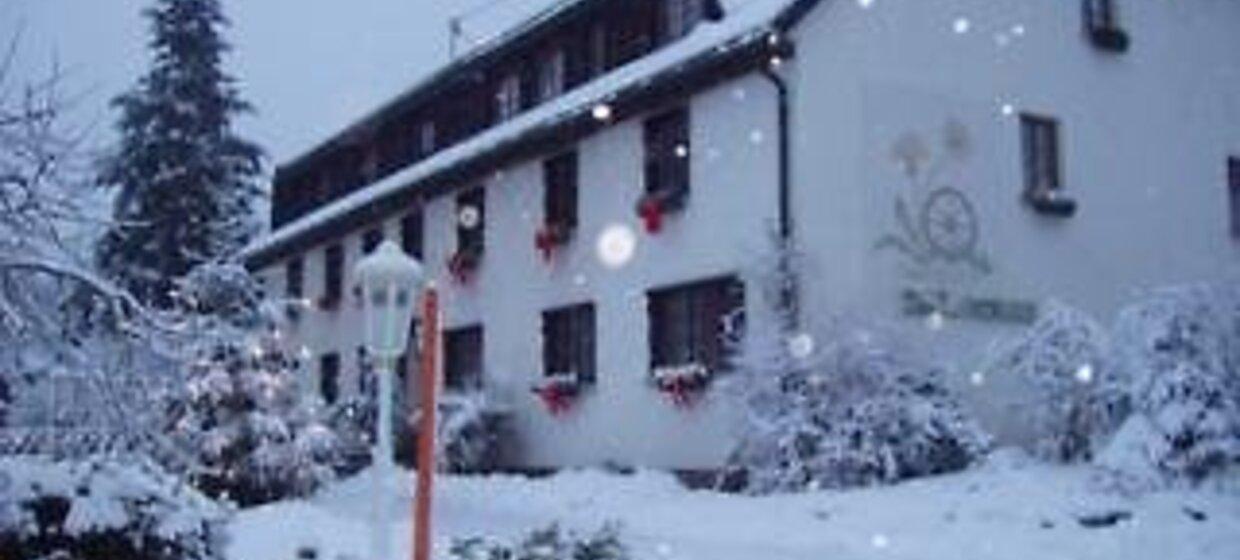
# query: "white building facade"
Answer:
x=945 y=163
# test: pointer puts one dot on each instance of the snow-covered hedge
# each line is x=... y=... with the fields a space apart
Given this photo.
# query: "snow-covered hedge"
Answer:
x=1076 y=395
x=853 y=413
x=102 y=510
x=550 y=543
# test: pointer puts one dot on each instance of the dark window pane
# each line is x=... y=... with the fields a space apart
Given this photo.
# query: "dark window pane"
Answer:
x=471 y=219
x=667 y=152
x=294 y=277
x=371 y=239
x=1040 y=152
x=333 y=274
x=568 y=341
x=688 y=324
x=1233 y=182
x=411 y=234
x=560 y=195
x=329 y=378
x=463 y=355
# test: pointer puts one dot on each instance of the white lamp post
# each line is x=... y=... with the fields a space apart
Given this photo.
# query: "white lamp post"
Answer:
x=390 y=281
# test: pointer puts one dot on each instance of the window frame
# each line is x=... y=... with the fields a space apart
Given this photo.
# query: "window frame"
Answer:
x=455 y=380
x=471 y=239
x=1041 y=152
x=684 y=307
x=333 y=274
x=561 y=189
x=664 y=135
x=678 y=18
x=329 y=377
x=412 y=233
x=508 y=97
x=552 y=74
x=570 y=341
x=372 y=238
x=295 y=278
x=1233 y=190
x=1100 y=14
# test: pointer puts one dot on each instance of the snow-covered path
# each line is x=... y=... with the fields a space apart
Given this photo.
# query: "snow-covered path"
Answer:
x=992 y=513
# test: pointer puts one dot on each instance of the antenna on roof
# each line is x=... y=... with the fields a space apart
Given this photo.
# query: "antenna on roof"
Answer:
x=458 y=40
x=455 y=34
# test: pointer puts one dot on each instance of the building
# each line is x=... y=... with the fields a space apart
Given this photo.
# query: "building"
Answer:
x=590 y=189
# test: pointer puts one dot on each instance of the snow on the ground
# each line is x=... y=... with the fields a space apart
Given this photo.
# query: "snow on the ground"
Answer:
x=1007 y=510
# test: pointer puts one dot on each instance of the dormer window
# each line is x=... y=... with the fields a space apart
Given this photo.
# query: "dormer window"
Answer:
x=680 y=17
x=426 y=138
x=508 y=97
x=551 y=72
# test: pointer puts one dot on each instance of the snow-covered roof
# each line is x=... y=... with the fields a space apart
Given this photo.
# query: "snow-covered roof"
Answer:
x=746 y=22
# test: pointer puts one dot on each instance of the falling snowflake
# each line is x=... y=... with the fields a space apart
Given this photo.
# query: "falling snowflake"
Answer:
x=865 y=4
x=1085 y=373
x=616 y=245
x=935 y=321
x=977 y=378
x=469 y=217
x=801 y=346
x=879 y=540
x=961 y=25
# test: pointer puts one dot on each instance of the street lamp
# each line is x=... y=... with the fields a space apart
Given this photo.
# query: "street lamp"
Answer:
x=390 y=281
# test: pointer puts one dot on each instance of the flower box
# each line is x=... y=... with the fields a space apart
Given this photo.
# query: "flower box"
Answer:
x=1051 y=202
x=681 y=383
x=551 y=236
x=653 y=207
x=463 y=264
x=558 y=391
x=1109 y=38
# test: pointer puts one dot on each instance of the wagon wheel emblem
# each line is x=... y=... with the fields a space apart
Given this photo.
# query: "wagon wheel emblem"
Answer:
x=949 y=224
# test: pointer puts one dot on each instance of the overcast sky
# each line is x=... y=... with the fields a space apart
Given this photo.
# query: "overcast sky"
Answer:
x=309 y=66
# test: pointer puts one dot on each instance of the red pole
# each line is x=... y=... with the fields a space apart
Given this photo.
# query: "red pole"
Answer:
x=426 y=426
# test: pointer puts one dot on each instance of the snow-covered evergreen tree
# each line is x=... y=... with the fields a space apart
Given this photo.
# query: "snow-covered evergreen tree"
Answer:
x=255 y=438
x=1076 y=395
x=187 y=184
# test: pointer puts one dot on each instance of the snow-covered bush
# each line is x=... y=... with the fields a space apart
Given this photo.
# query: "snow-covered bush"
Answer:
x=469 y=435
x=241 y=413
x=550 y=543
x=1075 y=396
x=851 y=414
x=101 y=510
x=1179 y=345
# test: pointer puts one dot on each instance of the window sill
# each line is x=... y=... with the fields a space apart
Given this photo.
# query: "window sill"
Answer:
x=1051 y=203
x=1109 y=38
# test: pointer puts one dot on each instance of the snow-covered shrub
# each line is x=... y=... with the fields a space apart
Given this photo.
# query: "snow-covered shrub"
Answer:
x=1075 y=396
x=101 y=510
x=1178 y=345
x=469 y=435
x=550 y=543
x=850 y=414
x=241 y=413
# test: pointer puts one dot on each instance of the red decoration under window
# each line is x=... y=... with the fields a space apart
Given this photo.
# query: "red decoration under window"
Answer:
x=683 y=392
x=463 y=264
x=651 y=211
x=549 y=237
x=557 y=396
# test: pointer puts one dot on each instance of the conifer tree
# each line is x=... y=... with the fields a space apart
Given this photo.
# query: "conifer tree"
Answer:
x=187 y=183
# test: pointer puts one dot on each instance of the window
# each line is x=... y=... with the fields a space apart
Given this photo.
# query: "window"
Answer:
x=693 y=324
x=471 y=220
x=426 y=138
x=568 y=342
x=679 y=17
x=411 y=234
x=598 y=63
x=294 y=278
x=333 y=275
x=508 y=97
x=1100 y=14
x=463 y=359
x=1233 y=188
x=371 y=239
x=1040 y=147
x=560 y=195
x=667 y=152
x=329 y=378
x=551 y=72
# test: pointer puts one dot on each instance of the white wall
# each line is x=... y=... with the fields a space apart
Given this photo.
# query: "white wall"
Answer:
x=622 y=419
x=1144 y=134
